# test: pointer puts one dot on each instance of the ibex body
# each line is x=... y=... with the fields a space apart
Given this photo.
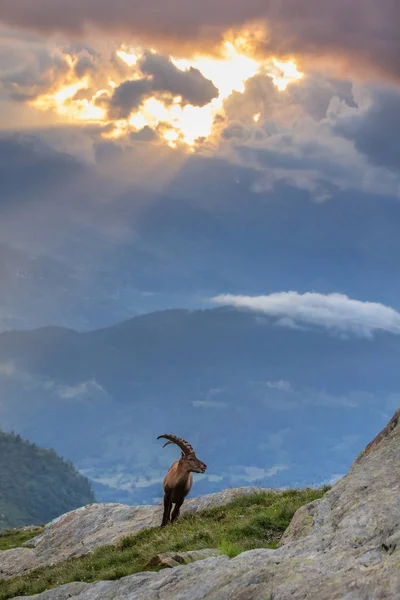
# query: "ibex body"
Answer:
x=178 y=481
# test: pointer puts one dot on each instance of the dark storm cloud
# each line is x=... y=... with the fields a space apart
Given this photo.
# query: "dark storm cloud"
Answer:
x=161 y=75
x=376 y=131
x=190 y=84
x=364 y=32
x=127 y=96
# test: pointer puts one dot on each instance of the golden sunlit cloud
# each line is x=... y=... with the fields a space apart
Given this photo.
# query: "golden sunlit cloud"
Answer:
x=119 y=129
x=228 y=74
x=286 y=73
x=128 y=57
x=174 y=121
x=189 y=123
x=64 y=103
x=171 y=136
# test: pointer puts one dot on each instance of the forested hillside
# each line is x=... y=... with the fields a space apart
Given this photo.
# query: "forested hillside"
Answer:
x=36 y=485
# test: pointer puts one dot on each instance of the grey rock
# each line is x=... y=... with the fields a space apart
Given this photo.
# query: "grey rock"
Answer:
x=344 y=547
x=174 y=559
x=81 y=531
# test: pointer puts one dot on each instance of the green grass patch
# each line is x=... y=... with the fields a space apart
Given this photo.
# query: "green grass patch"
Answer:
x=252 y=521
x=14 y=538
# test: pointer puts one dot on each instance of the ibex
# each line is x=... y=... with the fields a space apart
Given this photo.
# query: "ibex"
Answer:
x=178 y=481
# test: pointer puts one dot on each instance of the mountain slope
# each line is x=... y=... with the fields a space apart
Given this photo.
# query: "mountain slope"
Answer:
x=344 y=544
x=35 y=484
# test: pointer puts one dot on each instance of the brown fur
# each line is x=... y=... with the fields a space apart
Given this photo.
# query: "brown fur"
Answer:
x=179 y=479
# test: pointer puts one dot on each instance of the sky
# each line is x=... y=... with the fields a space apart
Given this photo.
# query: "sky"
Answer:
x=169 y=154
x=190 y=155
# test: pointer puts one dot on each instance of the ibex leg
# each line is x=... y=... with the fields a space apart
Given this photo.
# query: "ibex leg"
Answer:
x=167 y=510
x=175 y=512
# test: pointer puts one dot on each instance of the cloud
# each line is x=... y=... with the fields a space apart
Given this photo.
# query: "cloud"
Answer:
x=252 y=473
x=361 y=35
x=84 y=65
x=276 y=441
x=161 y=76
x=122 y=481
x=81 y=391
x=235 y=130
x=146 y=134
x=305 y=397
x=290 y=323
x=33 y=175
x=214 y=478
x=10 y=370
x=29 y=68
x=283 y=396
x=128 y=96
x=334 y=312
x=209 y=404
x=279 y=385
x=166 y=77
x=311 y=96
x=306 y=138
x=375 y=130
x=86 y=390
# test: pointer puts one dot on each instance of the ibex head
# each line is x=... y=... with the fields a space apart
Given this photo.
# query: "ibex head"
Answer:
x=188 y=458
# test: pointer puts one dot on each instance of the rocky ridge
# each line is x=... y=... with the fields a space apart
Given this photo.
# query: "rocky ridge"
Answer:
x=345 y=546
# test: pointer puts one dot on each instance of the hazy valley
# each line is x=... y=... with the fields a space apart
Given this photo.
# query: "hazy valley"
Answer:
x=262 y=404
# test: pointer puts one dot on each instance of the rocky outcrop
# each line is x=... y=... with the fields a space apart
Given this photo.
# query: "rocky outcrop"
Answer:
x=345 y=546
x=81 y=531
x=174 y=559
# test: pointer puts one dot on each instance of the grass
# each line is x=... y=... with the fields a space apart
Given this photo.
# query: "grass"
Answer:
x=14 y=538
x=253 y=521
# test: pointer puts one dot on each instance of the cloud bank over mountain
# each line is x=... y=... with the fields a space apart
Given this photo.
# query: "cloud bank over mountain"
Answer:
x=334 y=312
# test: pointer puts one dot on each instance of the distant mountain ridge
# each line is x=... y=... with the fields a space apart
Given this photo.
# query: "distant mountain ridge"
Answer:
x=36 y=485
x=262 y=404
